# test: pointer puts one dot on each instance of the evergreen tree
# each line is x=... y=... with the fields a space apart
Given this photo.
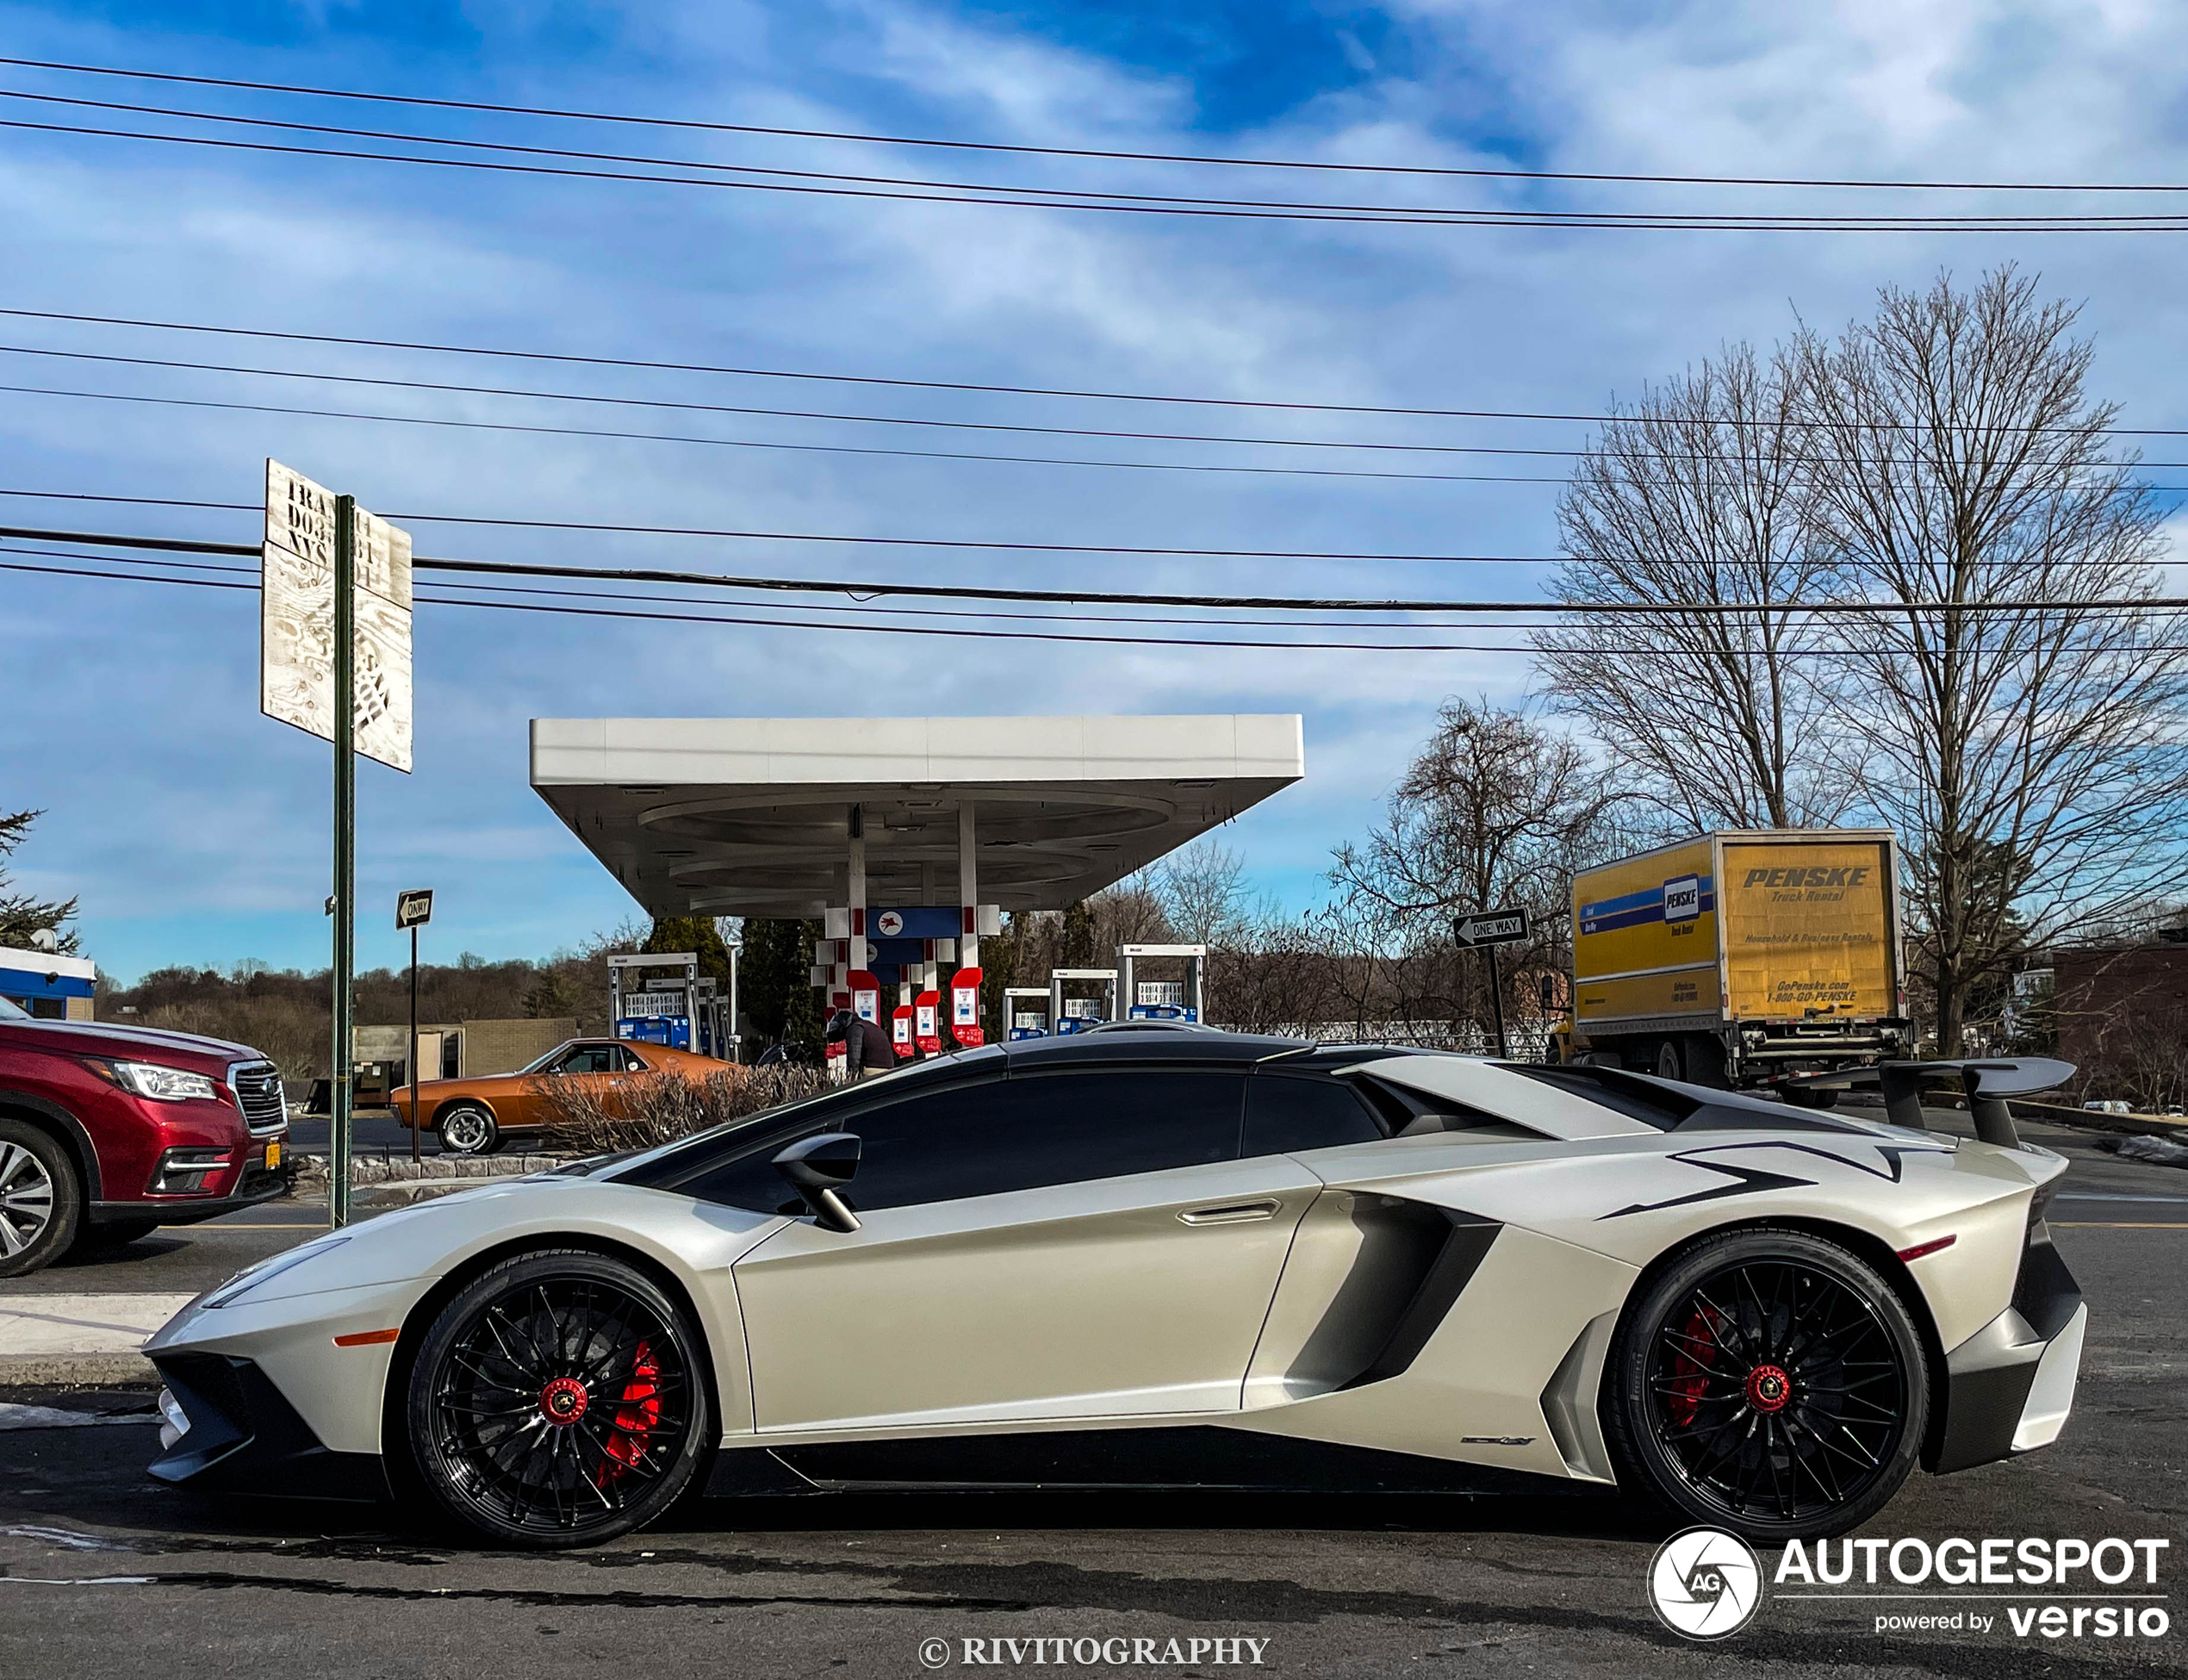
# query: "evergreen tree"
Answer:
x=21 y=916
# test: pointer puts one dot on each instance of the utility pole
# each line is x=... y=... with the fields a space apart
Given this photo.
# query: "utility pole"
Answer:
x=339 y=1126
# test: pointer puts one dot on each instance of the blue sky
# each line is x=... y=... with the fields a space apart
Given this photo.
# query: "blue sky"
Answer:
x=195 y=831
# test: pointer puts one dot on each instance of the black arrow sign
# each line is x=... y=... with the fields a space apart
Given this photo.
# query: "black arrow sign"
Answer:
x=1491 y=927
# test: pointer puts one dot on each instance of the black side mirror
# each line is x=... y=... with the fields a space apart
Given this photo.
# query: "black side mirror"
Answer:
x=817 y=1168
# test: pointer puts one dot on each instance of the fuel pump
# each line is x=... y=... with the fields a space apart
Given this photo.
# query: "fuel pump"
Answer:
x=1022 y=1017
x=1163 y=1000
x=1068 y=1015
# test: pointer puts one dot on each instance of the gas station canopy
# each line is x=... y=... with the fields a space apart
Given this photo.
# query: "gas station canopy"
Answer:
x=754 y=816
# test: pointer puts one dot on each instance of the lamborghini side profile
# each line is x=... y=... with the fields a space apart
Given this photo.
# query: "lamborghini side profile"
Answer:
x=1176 y=1260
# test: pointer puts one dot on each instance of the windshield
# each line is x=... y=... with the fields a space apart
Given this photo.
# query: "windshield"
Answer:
x=547 y=1060
x=9 y=1013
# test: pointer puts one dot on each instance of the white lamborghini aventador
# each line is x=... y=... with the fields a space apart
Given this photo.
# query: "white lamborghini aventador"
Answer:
x=1190 y=1260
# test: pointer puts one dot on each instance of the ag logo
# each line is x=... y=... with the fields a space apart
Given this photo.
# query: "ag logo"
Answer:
x=1705 y=1583
x=889 y=924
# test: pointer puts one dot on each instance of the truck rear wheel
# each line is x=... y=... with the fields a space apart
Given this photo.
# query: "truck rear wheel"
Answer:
x=1668 y=1059
x=1705 y=1058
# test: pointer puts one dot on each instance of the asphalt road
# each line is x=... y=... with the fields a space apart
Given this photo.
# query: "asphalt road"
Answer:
x=107 y=1573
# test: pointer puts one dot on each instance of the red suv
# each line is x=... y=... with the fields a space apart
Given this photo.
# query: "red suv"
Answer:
x=107 y=1131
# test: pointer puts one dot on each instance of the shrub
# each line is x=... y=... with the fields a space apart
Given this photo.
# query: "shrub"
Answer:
x=650 y=1108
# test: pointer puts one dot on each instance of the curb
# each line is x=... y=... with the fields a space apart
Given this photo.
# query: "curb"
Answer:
x=75 y=1370
x=440 y=1169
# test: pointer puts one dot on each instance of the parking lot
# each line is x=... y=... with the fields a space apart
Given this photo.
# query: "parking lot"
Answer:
x=109 y=1573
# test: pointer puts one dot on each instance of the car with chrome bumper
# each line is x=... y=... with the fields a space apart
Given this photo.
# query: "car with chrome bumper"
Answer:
x=108 y=1131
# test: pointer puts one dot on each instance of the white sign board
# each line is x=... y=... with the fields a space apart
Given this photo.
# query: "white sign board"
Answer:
x=296 y=620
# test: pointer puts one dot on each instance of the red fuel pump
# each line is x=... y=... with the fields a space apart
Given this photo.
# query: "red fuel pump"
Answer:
x=965 y=1008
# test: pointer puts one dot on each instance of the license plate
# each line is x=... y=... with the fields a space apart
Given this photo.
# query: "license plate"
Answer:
x=273 y=1156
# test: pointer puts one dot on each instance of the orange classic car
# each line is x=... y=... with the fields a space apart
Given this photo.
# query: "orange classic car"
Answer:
x=474 y=1115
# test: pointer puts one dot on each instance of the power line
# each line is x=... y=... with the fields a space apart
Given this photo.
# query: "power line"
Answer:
x=1106 y=155
x=1171 y=398
x=724 y=531
x=536 y=395
x=741 y=443
x=863 y=610
x=1016 y=198
x=772 y=414
x=614 y=435
x=1464 y=216
x=863 y=589
x=996 y=635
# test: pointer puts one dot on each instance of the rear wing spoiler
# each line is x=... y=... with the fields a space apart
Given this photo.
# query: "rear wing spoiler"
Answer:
x=1986 y=1084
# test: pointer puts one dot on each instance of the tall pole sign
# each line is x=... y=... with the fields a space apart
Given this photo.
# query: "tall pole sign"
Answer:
x=413 y=910
x=335 y=661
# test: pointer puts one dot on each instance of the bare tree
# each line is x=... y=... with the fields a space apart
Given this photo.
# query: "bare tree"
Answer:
x=2032 y=758
x=1695 y=495
x=1496 y=810
x=1203 y=890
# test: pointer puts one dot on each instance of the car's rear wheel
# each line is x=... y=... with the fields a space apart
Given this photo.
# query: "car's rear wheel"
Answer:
x=468 y=1128
x=558 y=1401
x=41 y=1201
x=1770 y=1383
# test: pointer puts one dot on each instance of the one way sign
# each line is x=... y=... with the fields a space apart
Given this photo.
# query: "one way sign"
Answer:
x=1491 y=927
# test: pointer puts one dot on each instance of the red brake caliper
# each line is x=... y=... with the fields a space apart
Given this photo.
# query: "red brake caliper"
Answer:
x=1690 y=1371
x=637 y=1414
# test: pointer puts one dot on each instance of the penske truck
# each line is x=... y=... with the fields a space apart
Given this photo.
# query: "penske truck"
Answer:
x=1742 y=958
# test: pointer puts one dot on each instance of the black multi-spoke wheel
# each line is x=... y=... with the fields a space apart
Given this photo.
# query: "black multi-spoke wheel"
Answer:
x=558 y=1401
x=1770 y=1383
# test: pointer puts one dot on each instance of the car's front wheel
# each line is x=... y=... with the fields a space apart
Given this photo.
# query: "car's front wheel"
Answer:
x=39 y=1199
x=1770 y=1383
x=558 y=1400
x=468 y=1128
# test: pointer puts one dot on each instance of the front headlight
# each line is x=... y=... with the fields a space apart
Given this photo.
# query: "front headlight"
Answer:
x=162 y=1085
x=252 y=1276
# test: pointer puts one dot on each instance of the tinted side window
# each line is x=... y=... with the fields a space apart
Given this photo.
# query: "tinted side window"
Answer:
x=1286 y=1111
x=588 y=1059
x=1019 y=1134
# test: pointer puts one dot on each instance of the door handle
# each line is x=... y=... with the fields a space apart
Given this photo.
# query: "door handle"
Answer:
x=1231 y=1213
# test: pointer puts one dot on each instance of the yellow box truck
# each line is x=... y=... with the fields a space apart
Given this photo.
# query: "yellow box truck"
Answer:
x=1742 y=957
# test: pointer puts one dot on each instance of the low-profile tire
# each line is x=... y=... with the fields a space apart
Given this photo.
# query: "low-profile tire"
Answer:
x=1769 y=1383
x=558 y=1400
x=113 y=1234
x=41 y=1201
x=468 y=1128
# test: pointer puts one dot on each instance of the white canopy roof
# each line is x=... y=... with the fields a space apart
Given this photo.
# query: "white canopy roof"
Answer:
x=751 y=816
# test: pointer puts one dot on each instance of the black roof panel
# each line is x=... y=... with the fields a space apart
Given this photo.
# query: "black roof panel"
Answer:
x=1104 y=1048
